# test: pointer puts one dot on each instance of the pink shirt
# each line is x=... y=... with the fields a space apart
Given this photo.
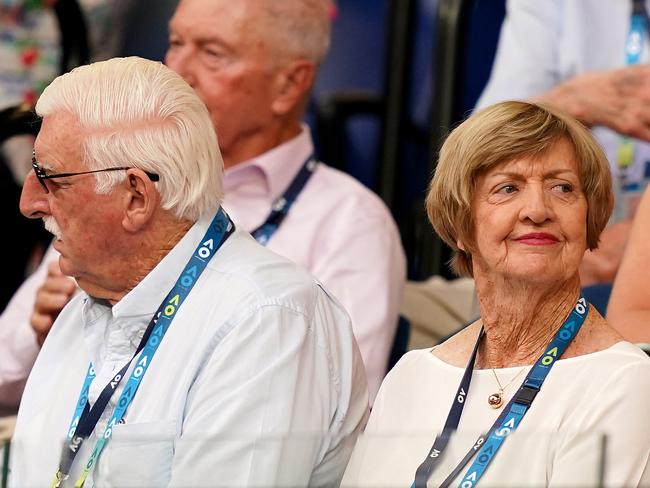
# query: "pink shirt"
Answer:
x=337 y=229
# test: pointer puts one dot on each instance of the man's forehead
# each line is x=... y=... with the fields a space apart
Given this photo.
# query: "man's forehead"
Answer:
x=60 y=133
x=59 y=124
x=212 y=17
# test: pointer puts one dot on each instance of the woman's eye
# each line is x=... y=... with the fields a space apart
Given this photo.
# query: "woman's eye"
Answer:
x=507 y=189
x=564 y=188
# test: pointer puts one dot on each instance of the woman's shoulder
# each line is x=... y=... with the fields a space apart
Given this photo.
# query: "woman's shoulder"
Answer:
x=416 y=365
x=614 y=358
x=456 y=350
x=596 y=335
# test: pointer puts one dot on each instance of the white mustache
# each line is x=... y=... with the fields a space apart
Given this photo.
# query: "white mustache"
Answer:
x=52 y=227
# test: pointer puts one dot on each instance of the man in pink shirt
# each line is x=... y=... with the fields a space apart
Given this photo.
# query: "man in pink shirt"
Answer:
x=253 y=62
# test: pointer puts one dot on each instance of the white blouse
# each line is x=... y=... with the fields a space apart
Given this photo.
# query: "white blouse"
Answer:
x=590 y=421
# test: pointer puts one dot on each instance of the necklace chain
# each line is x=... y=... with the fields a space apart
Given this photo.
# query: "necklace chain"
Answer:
x=495 y=400
x=503 y=388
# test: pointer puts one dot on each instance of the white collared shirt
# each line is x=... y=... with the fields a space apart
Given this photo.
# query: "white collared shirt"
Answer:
x=258 y=381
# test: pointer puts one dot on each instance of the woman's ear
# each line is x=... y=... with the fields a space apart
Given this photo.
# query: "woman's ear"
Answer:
x=141 y=200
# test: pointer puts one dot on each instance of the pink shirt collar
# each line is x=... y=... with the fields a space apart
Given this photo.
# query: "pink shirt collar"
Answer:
x=275 y=168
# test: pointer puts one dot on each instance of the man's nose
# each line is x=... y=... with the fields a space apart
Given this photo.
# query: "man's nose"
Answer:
x=181 y=60
x=34 y=203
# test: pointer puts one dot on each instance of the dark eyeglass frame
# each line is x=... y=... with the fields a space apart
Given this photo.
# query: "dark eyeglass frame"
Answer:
x=42 y=176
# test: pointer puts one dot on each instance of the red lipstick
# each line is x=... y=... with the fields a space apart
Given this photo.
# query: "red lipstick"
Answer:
x=538 y=239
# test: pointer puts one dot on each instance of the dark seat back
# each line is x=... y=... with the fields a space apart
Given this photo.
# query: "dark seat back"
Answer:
x=468 y=32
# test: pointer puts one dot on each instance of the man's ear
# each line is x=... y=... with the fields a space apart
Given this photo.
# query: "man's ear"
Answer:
x=460 y=245
x=141 y=200
x=293 y=82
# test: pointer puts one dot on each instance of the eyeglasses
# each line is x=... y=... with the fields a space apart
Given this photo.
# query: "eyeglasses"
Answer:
x=41 y=175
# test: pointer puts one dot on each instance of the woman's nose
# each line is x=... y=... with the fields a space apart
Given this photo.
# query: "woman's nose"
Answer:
x=535 y=205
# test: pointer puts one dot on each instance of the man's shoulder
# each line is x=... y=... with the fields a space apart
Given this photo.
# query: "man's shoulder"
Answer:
x=338 y=189
x=261 y=276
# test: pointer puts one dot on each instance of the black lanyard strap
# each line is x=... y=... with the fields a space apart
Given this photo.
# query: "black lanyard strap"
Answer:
x=423 y=473
x=282 y=205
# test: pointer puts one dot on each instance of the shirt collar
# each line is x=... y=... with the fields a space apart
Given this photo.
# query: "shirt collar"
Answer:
x=278 y=166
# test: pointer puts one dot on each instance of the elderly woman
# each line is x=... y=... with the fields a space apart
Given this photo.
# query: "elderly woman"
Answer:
x=520 y=192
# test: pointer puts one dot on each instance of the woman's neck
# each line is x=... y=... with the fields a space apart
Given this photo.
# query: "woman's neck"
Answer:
x=520 y=319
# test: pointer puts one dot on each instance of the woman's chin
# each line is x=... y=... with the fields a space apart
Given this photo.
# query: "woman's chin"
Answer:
x=540 y=273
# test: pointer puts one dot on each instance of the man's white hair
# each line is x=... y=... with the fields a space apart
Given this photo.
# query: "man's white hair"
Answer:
x=139 y=113
x=300 y=28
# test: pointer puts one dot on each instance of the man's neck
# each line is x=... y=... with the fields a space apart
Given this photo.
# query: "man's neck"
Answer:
x=129 y=270
x=253 y=146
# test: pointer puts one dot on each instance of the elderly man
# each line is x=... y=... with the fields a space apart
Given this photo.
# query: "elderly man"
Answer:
x=193 y=356
x=253 y=62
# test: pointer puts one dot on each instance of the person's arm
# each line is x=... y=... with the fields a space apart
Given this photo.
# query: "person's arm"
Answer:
x=527 y=61
x=18 y=344
x=25 y=322
x=54 y=294
x=618 y=99
x=629 y=305
x=279 y=403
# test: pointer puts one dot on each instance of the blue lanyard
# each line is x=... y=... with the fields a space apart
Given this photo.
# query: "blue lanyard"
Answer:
x=512 y=414
x=85 y=418
x=638 y=27
x=639 y=23
x=283 y=204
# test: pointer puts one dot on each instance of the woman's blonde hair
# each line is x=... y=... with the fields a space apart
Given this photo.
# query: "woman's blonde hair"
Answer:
x=498 y=134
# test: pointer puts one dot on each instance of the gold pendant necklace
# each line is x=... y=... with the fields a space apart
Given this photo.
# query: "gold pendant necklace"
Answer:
x=495 y=400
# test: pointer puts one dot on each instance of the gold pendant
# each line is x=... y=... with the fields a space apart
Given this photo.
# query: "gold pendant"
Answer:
x=495 y=400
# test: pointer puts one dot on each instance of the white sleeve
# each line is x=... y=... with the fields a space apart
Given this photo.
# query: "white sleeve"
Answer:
x=280 y=402
x=621 y=415
x=527 y=58
x=18 y=346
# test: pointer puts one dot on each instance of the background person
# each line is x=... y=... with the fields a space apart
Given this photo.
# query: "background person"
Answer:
x=254 y=63
x=254 y=348
x=520 y=192
x=629 y=306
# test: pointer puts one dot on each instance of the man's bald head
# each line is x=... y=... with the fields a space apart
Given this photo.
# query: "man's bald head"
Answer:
x=297 y=28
